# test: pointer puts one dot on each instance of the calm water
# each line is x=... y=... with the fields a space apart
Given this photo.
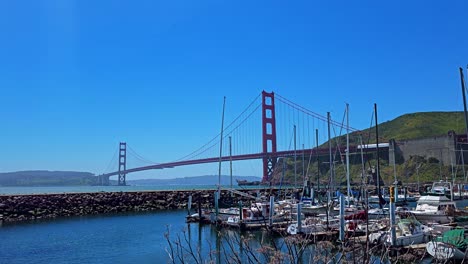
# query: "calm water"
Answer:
x=124 y=238
x=121 y=238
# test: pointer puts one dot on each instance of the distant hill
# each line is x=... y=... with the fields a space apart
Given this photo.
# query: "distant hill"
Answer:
x=47 y=178
x=196 y=180
x=74 y=178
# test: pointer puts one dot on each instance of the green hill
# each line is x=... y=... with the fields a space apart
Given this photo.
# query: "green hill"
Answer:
x=405 y=127
x=410 y=126
x=420 y=125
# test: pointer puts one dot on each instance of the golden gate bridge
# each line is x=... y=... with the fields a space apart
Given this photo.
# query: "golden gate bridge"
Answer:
x=245 y=130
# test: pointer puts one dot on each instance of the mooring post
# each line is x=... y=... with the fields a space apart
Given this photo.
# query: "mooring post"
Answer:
x=328 y=207
x=312 y=194
x=272 y=210
x=240 y=210
x=216 y=197
x=199 y=208
x=342 y=218
x=392 y=216
x=396 y=192
x=189 y=206
x=299 y=220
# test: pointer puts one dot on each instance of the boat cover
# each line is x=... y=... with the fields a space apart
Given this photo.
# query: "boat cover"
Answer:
x=454 y=237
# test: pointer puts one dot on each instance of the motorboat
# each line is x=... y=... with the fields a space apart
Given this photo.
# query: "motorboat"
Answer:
x=310 y=207
x=314 y=225
x=257 y=216
x=435 y=206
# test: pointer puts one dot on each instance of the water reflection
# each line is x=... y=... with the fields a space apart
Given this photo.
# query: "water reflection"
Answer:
x=233 y=246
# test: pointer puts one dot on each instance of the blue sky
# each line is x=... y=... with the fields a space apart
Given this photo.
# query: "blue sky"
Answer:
x=77 y=77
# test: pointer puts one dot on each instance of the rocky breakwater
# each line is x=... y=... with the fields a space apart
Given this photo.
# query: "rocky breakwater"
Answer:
x=43 y=206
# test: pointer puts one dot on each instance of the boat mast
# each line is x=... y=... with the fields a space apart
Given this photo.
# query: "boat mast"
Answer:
x=379 y=194
x=230 y=159
x=295 y=159
x=330 y=153
x=362 y=160
x=462 y=79
x=221 y=147
x=318 y=162
x=304 y=178
x=366 y=192
x=347 y=154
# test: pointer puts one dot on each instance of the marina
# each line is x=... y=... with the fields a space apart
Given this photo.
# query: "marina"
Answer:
x=409 y=230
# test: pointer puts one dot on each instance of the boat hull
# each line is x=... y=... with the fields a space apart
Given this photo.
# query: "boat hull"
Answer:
x=293 y=229
x=444 y=251
x=313 y=210
x=404 y=241
x=433 y=218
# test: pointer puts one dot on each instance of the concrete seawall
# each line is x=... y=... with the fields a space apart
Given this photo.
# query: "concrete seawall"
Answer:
x=43 y=206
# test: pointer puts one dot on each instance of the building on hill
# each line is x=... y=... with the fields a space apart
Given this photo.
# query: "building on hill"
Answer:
x=449 y=149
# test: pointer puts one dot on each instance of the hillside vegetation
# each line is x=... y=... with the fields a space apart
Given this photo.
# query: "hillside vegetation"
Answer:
x=405 y=127
x=411 y=126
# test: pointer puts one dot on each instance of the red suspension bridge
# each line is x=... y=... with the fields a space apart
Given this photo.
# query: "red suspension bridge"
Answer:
x=246 y=127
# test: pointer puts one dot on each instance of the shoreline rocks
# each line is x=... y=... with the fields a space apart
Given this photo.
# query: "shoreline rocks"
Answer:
x=46 y=206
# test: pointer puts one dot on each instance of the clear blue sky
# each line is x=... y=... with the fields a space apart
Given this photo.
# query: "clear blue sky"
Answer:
x=77 y=77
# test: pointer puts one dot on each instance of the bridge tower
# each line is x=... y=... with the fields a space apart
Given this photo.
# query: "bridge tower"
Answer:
x=268 y=134
x=122 y=163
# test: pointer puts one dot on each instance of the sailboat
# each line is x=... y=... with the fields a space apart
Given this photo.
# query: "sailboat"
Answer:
x=203 y=215
x=351 y=205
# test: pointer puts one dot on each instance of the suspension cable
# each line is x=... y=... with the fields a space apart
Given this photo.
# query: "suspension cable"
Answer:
x=109 y=165
x=216 y=137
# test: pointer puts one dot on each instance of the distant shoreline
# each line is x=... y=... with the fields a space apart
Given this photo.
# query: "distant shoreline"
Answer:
x=20 y=190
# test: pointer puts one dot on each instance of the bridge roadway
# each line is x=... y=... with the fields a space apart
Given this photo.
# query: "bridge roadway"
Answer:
x=287 y=153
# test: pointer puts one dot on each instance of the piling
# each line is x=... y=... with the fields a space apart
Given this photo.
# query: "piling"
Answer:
x=272 y=209
x=299 y=220
x=312 y=194
x=240 y=211
x=189 y=205
x=328 y=207
x=396 y=193
x=392 y=216
x=200 y=217
x=216 y=200
x=342 y=218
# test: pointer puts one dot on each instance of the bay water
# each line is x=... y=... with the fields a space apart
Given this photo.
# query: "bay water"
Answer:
x=116 y=238
x=113 y=238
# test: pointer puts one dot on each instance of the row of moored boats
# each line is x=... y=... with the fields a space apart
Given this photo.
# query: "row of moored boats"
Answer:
x=432 y=221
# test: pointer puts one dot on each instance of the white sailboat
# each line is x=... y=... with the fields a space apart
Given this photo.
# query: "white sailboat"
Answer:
x=409 y=231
